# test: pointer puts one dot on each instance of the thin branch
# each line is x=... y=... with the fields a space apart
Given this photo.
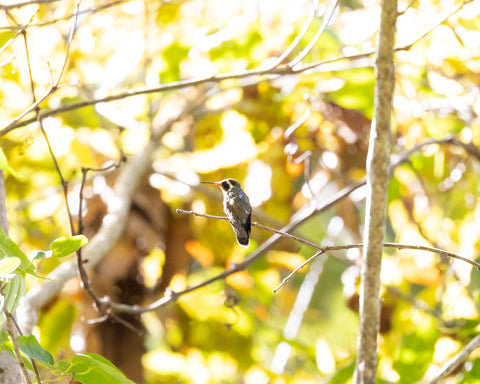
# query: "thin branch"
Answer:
x=53 y=88
x=326 y=20
x=255 y=224
x=305 y=156
x=171 y=296
x=299 y=37
x=21 y=30
x=18 y=121
x=80 y=264
x=16 y=349
x=310 y=209
x=456 y=360
x=87 y=11
x=290 y=275
x=297 y=124
x=81 y=270
x=322 y=250
x=32 y=360
x=113 y=225
x=25 y=3
x=73 y=29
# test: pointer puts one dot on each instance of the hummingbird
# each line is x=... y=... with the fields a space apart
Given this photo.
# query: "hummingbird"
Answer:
x=237 y=208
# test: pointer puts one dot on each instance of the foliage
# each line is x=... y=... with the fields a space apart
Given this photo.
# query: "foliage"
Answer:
x=294 y=138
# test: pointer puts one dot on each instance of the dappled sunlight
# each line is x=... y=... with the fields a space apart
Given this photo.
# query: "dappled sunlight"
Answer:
x=258 y=182
x=457 y=303
x=148 y=100
x=236 y=147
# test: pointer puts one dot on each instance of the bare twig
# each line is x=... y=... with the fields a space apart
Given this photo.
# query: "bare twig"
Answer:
x=171 y=296
x=87 y=11
x=19 y=121
x=323 y=250
x=290 y=275
x=299 y=37
x=255 y=224
x=25 y=3
x=110 y=231
x=304 y=157
x=456 y=360
x=81 y=270
x=80 y=265
x=53 y=88
x=113 y=227
x=326 y=20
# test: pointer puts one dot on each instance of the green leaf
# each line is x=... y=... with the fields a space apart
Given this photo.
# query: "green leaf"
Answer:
x=4 y=165
x=56 y=325
x=90 y=368
x=8 y=265
x=3 y=336
x=473 y=373
x=342 y=375
x=63 y=365
x=64 y=246
x=14 y=292
x=3 y=320
x=30 y=346
x=416 y=350
x=9 y=249
x=6 y=345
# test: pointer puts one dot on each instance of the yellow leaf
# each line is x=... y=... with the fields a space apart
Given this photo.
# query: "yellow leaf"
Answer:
x=240 y=280
x=285 y=259
x=200 y=253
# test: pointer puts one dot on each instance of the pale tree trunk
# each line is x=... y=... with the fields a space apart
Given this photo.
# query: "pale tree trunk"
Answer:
x=376 y=203
x=3 y=203
x=9 y=370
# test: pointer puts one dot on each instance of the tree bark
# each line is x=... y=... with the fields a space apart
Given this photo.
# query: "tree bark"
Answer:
x=376 y=203
x=9 y=370
x=3 y=203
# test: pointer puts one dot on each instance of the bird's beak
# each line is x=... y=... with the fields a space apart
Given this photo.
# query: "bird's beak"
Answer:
x=211 y=182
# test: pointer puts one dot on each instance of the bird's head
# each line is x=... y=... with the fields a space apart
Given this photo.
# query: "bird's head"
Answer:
x=227 y=185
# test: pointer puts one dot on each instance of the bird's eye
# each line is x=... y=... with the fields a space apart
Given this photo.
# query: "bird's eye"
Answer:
x=225 y=186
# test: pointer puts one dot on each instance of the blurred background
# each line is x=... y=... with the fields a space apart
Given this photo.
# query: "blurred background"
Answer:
x=292 y=139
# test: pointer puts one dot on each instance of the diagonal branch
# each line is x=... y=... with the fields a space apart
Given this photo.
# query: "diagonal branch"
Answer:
x=53 y=88
x=300 y=35
x=326 y=20
x=113 y=225
x=323 y=250
x=456 y=360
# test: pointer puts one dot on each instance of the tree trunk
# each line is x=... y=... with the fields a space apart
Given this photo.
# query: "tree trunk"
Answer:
x=375 y=212
x=9 y=370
